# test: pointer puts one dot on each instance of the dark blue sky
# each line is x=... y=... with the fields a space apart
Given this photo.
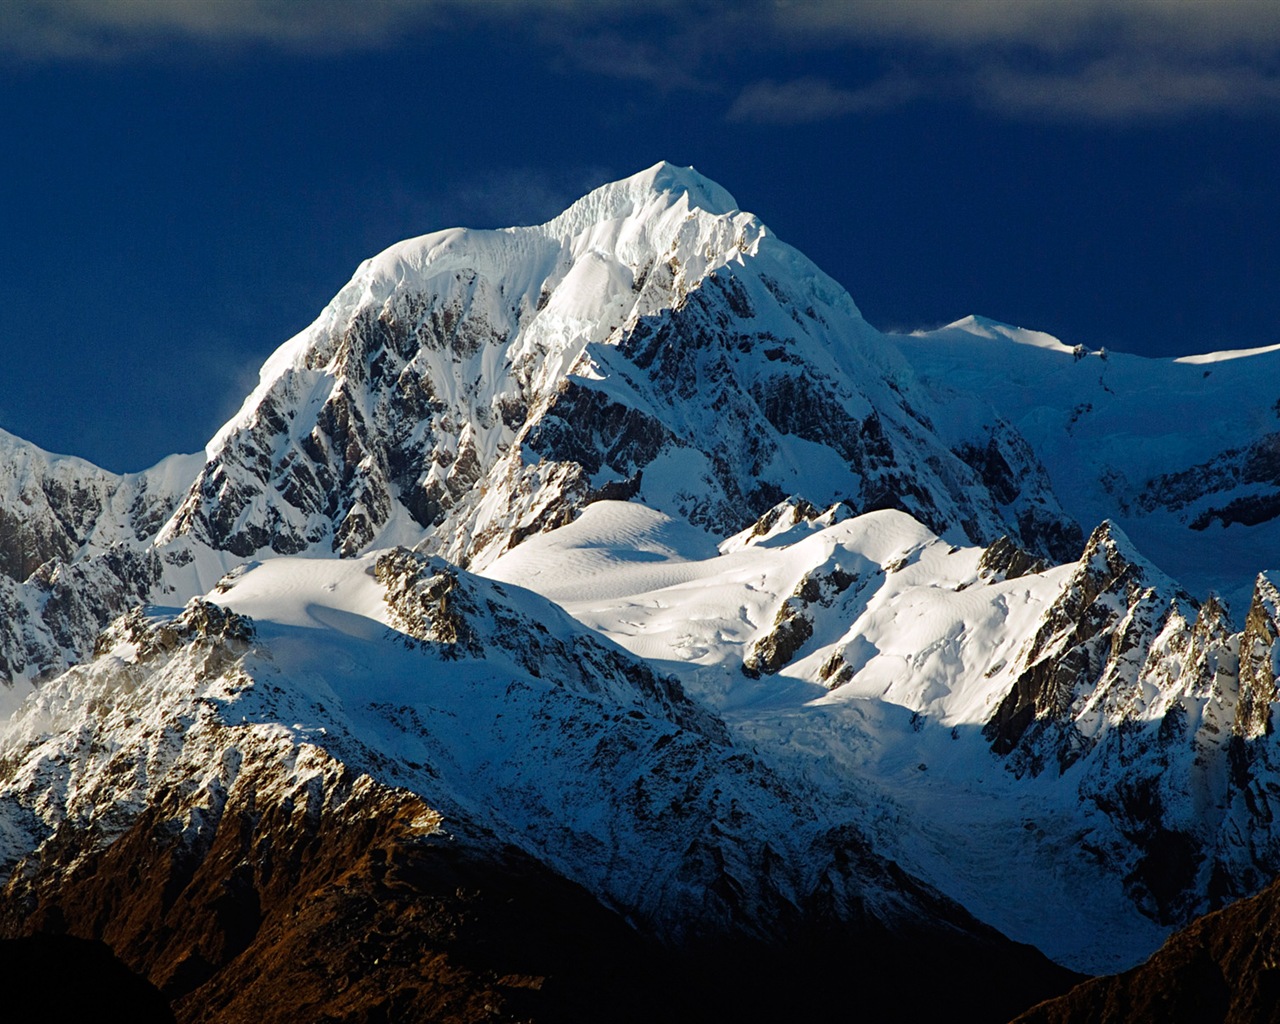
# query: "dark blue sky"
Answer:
x=185 y=185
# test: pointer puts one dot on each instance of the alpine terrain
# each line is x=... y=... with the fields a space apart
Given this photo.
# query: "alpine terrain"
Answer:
x=601 y=620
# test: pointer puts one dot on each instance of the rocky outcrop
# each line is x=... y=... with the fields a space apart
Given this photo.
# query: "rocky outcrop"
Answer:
x=590 y=825
x=1004 y=560
x=50 y=622
x=469 y=388
x=1088 y=649
x=431 y=603
x=1169 y=718
x=343 y=901
x=1012 y=474
x=1238 y=486
x=793 y=624
x=1259 y=671
x=56 y=508
x=74 y=552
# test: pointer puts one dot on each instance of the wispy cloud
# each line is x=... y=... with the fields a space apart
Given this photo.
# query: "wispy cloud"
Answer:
x=496 y=197
x=1122 y=89
x=816 y=99
x=1202 y=26
x=111 y=29
x=1102 y=59
x=522 y=195
x=114 y=29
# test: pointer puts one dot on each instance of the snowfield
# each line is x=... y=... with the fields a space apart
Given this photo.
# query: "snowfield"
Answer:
x=899 y=746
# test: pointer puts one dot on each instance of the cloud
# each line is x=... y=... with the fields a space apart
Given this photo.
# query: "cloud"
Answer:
x=1121 y=89
x=1204 y=26
x=666 y=61
x=497 y=197
x=1099 y=60
x=815 y=99
x=522 y=195
x=1109 y=60
x=112 y=29
x=89 y=28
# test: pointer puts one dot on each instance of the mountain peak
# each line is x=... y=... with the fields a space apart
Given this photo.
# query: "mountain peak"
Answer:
x=594 y=343
x=629 y=196
x=995 y=330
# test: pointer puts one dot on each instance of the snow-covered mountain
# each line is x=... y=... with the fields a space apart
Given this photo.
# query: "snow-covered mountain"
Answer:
x=833 y=654
x=478 y=719
x=1184 y=454
x=1093 y=727
x=469 y=388
x=76 y=550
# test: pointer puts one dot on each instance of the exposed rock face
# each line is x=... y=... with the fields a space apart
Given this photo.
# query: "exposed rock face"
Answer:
x=1087 y=649
x=342 y=903
x=379 y=806
x=1259 y=661
x=1181 y=453
x=74 y=553
x=1004 y=560
x=793 y=625
x=50 y=622
x=429 y=603
x=1240 y=485
x=1170 y=716
x=1009 y=468
x=781 y=516
x=59 y=508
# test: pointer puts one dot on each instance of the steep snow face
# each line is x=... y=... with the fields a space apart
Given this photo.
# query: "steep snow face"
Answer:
x=1183 y=454
x=1075 y=753
x=512 y=722
x=470 y=388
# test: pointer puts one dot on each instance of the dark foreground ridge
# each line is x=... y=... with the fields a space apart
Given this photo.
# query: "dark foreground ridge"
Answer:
x=1224 y=968
x=58 y=978
x=281 y=916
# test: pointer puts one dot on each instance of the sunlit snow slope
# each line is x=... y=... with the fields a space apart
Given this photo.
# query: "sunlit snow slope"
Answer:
x=884 y=671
